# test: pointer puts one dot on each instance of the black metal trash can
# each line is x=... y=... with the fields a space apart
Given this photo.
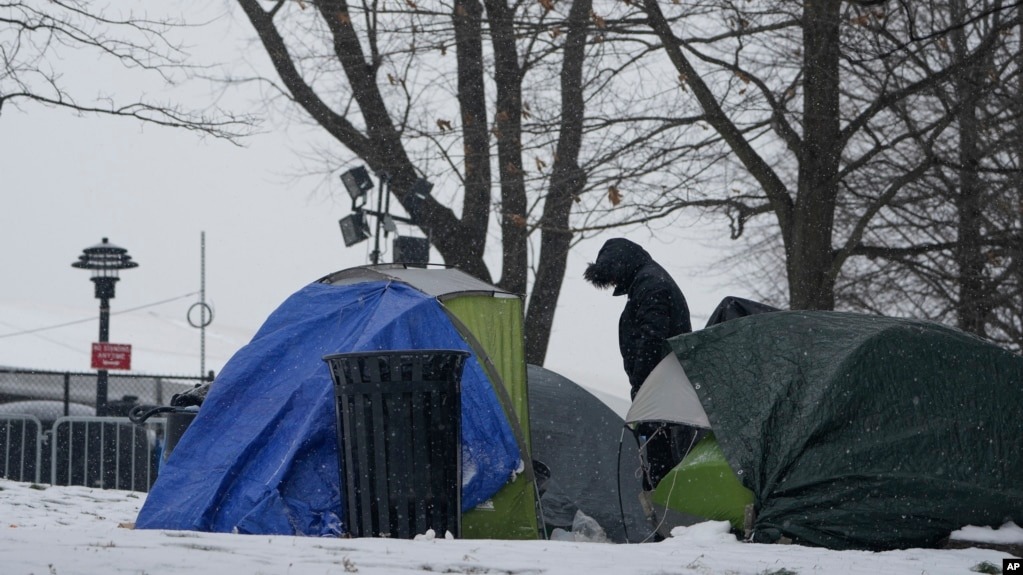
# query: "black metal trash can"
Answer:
x=399 y=440
x=177 y=423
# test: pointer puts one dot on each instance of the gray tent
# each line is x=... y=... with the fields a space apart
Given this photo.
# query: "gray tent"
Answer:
x=578 y=437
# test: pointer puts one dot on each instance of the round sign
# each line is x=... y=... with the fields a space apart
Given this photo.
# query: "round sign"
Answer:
x=206 y=314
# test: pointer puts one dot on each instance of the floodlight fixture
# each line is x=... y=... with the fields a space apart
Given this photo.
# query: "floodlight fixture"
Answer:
x=417 y=195
x=411 y=250
x=357 y=182
x=354 y=228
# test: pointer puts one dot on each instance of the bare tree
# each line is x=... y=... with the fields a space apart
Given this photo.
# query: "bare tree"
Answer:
x=950 y=249
x=827 y=121
x=529 y=118
x=36 y=36
x=1009 y=321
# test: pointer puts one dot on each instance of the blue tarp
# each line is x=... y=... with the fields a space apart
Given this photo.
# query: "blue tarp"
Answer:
x=261 y=456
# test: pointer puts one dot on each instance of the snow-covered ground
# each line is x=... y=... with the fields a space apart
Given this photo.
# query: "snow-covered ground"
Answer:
x=48 y=530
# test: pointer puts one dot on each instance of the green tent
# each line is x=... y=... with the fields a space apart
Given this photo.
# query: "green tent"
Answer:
x=701 y=487
x=861 y=432
x=490 y=320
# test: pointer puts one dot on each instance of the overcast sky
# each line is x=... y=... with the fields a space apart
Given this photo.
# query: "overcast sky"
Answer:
x=69 y=181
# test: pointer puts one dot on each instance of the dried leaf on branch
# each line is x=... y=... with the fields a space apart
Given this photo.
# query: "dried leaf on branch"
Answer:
x=614 y=195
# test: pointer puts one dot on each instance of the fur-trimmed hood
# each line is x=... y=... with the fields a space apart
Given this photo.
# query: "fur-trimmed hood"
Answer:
x=617 y=264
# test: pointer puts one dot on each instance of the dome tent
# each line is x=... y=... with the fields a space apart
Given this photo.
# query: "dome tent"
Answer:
x=861 y=432
x=261 y=456
x=578 y=438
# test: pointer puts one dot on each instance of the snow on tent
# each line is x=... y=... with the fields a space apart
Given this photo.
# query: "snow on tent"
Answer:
x=859 y=432
x=261 y=456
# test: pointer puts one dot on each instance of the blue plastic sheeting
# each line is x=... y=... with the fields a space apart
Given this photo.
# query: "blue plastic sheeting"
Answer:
x=261 y=457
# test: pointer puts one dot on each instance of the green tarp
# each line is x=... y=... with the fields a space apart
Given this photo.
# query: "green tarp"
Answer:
x=862 y=432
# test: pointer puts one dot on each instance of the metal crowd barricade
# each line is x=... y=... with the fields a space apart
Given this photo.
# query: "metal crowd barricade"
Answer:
x=20 y=447
x=105 y=452
x=81 y=449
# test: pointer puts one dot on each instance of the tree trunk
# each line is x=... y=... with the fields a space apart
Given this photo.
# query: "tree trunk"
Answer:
x=472 y=98
x=567 y=182
x=808 y=247
x=971 y=307
x=508 y=131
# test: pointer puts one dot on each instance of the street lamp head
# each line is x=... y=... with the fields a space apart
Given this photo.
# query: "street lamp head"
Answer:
x=105 y=260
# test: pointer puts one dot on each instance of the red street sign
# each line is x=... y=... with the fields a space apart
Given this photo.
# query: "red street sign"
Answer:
x=111 y=356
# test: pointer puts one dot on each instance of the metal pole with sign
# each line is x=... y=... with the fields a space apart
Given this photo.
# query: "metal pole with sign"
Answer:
x=105 y=260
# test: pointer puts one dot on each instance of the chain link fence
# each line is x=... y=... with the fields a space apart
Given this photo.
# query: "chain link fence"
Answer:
x=75 y=389
x=49 y=432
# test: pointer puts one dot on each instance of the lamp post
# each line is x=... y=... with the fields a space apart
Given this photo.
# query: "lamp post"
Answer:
x=105 y=260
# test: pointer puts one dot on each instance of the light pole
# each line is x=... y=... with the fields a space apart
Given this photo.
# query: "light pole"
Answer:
x=105 y=260
x=354 y=229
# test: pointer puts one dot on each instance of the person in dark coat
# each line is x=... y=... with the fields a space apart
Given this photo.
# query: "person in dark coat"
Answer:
x=655 y=310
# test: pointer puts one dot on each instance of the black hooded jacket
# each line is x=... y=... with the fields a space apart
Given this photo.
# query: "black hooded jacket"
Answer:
x=655 y=311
